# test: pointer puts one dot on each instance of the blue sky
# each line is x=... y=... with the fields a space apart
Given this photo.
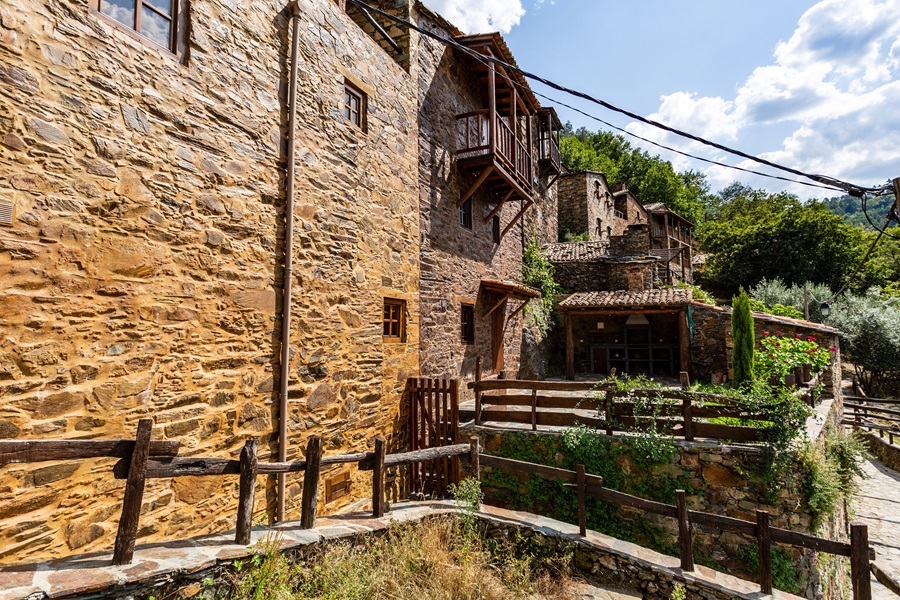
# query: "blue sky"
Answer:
x=812 y=85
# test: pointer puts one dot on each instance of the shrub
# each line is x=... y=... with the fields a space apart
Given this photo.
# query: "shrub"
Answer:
x=537 y=272
x=780 y=354
x=743 y=338
x=779 y=299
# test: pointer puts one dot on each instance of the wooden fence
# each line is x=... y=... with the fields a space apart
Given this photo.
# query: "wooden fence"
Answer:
x=591 y=486
x=142 y=459
x=869 y=414
x=433 y=422
x=680 y=413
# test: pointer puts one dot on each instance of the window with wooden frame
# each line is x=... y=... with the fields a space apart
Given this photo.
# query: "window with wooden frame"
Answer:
x=465 y=214
x=467 y=323
x=393 y=320
x=495 y=229
x=159 y=21
x=354 y=105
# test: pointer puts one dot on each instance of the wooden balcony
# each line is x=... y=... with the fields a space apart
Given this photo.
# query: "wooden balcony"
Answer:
x=505 y=158
x=549 y=159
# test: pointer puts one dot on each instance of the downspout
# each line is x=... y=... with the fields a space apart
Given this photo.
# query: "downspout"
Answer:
x=294 y=9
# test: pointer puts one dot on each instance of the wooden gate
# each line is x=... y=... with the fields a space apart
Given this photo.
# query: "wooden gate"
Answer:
x=433 y=422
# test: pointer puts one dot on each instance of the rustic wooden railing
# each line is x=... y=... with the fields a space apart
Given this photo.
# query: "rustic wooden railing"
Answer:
x=680 y=413
x=869 y=414
x=591 y=486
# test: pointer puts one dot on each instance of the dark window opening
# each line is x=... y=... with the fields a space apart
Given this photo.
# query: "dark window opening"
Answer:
x=495 y=229
x=354 y=105
x=467 y=323
x=393 y=320
x=465 y=214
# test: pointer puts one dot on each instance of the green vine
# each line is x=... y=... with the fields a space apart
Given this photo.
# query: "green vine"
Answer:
x=537 y=272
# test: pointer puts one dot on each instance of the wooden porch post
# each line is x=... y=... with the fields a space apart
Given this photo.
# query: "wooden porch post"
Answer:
x=684 y=342
x=492 y=103
x=570 y=348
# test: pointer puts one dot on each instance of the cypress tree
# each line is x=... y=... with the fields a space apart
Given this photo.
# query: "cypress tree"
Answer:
x=743 y=338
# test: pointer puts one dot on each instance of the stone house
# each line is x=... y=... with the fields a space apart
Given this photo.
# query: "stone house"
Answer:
x=148 y=155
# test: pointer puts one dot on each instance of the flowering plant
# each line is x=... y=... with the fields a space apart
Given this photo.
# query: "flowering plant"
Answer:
x=780 y=354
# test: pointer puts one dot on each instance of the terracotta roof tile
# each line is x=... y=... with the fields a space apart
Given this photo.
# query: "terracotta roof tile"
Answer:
x=626 y=299
x=510 y=287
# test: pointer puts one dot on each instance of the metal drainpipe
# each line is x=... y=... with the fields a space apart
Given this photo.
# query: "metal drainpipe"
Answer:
x=294 y=9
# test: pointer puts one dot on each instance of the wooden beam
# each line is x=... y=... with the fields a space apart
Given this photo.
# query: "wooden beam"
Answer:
x=26 y=451
x=516 y=218
x=492 y=106
x=570 y=349
x=593 y=312
x=512 y=182
x=309 y=500
x=498 y=305
x=475 y=186
x=249 y=468
x=684 y=342
x=499 y=205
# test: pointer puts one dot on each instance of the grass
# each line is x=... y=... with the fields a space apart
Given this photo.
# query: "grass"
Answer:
x=438 y=559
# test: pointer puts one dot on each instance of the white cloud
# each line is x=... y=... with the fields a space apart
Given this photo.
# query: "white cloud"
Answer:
x=480 y=16
x=836 y=81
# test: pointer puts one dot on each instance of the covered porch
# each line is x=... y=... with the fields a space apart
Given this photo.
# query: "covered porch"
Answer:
x=634 y=332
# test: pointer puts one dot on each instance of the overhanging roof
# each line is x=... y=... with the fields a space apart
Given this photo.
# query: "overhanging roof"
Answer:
x=510 y=288
x=622 y=299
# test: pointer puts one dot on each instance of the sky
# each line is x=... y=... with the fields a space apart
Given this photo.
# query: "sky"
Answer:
x=811 y=85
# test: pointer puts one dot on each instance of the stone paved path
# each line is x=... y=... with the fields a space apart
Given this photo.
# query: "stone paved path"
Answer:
x=878 y=505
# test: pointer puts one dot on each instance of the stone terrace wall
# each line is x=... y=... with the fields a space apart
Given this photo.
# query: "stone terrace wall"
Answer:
x=142 y=276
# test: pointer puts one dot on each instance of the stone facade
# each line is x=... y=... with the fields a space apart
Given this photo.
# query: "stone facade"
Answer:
x=588 y=208
x=711 y=343
x=454 y=258
x=142 y=277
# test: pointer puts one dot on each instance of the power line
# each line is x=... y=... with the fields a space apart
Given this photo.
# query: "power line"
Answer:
x=830 y=182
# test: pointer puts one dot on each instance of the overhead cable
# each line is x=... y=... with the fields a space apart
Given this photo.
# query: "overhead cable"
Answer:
x=829 y=182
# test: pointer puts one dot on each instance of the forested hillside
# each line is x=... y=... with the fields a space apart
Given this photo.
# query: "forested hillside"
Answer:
x=850 y=209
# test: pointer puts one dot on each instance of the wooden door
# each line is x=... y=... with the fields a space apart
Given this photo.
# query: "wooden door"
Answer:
x=497 y=323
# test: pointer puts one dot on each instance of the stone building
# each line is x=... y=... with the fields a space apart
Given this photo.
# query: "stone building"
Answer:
x=589 y=209
x=144 y=155
x=487 y=153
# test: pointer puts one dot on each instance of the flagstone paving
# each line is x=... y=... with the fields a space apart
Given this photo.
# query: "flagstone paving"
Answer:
x=878 y=505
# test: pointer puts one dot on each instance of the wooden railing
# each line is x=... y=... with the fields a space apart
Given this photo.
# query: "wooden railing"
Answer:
x=591 y=486
x=142 y=459
x=869 y=414
x=548 y=150
x=475 y=140
x=679 y=413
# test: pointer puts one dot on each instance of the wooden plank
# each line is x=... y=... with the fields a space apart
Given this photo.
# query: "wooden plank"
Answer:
x=566 y=402
x=582 y=497
x=500 y=204
x=624 y=499
x=870 y=400
x=685 y=541
x=723 y=522
x=26 y=451
x=454 y=425
x=134 y=495
x=545 y=386
x=414 y=470
x=249 y=464
x=534 y=410
x=509 y=464
x=550 y=419
x=859 y=561
x=885 y=579
x=327 y=461
x=688 y=415
x=378 y=479
x=426 y=454
x=182 y=467
x=516 y=218
x=764 y=545
x=309 y=502
x=478 y=392
x=805 y=540
x=484 y=175
x=871 y=409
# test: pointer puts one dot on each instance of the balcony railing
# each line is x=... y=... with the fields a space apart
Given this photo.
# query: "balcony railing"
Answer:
x=475 y=140
x=548 y=148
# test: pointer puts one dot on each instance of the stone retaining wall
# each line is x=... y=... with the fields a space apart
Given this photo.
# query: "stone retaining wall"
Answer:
x=887 y=453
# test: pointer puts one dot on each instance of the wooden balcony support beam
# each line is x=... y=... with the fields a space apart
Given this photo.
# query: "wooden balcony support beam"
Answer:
x=499 y=206
x=527 y=205
x=484 y=175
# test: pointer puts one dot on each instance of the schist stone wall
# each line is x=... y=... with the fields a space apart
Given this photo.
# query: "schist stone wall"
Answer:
x=711 y=343
x=587 y=206
x=454 y=259
x=142 y=277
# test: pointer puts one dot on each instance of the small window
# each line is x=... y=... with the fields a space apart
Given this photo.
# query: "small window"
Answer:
x=354 y=105
x=155 y=20
x=467 y=323
x=393 y=320
x=465 y=214
x=495 y=229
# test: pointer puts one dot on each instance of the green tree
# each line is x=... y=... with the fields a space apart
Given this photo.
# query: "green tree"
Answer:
x=743 y=338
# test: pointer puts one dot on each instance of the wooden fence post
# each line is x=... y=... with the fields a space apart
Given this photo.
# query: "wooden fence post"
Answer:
x=764 y=542
x=134 y=495
x=378 y=479
x=582 y=497
x=859 y=561
x=688 y=415
x=474 y=456
x=685 y=379
x=685 y=542
x=534 y=410
x=477 y=393
x=609 y=398
x=309 y=503
x=249 y=468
